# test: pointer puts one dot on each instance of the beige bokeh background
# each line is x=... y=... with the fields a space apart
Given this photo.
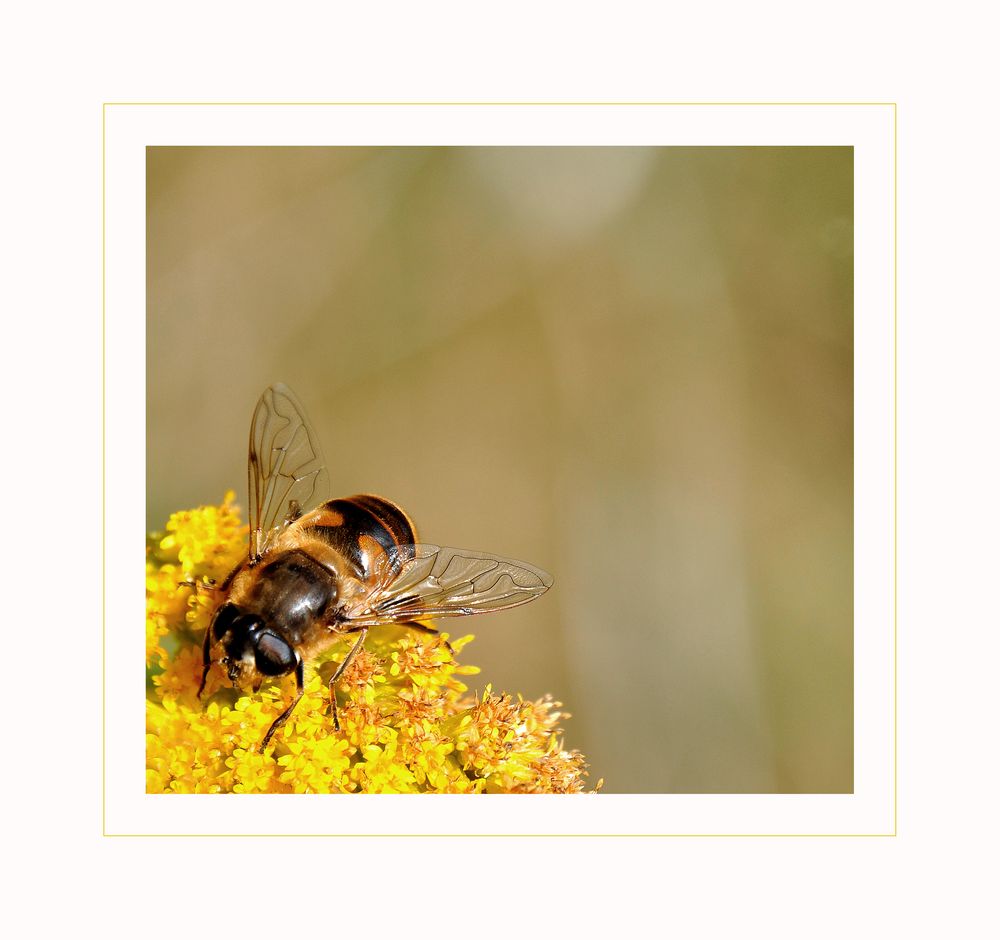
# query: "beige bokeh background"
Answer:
x=632 y=367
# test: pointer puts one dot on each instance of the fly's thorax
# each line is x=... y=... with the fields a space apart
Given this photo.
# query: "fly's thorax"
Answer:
x=290 y=592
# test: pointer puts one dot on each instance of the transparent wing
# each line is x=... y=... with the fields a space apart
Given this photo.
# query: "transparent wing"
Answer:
x=413 y=582
x=285 y=465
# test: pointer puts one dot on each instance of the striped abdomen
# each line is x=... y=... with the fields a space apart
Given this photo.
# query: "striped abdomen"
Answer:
x=359 y=528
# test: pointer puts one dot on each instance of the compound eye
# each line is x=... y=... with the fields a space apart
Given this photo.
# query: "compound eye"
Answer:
x=223 y=621
x=239 y=633
x=273 y=656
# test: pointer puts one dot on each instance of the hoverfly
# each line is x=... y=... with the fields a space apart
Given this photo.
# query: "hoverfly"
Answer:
x=314 y=575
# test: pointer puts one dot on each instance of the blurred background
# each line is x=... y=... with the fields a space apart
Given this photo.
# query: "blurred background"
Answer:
x=631 y=367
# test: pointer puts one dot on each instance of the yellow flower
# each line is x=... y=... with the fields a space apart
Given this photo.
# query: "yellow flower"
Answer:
x=407 y=722
x=205 y=541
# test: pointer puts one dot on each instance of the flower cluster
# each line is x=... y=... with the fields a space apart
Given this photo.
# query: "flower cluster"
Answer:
x=407 y=721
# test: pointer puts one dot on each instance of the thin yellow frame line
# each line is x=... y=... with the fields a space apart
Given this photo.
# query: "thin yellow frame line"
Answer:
x=895 y=469
x=895 y=688
x=586 y=104
x=104 y=541
x=504 y=835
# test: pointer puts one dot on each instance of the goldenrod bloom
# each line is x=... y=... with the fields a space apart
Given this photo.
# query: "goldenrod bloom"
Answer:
x=408 y=724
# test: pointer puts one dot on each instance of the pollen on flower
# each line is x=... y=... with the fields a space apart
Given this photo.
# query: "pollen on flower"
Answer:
x=407 y=721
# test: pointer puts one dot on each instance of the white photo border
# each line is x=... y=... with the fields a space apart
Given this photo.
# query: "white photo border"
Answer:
x=870 y=128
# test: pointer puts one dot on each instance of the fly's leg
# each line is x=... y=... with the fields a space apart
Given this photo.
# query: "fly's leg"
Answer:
x=205 y=586
x=202 y=586
x=206 y=659
x=423 y=628
x=283 y=717
x=340 y=671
